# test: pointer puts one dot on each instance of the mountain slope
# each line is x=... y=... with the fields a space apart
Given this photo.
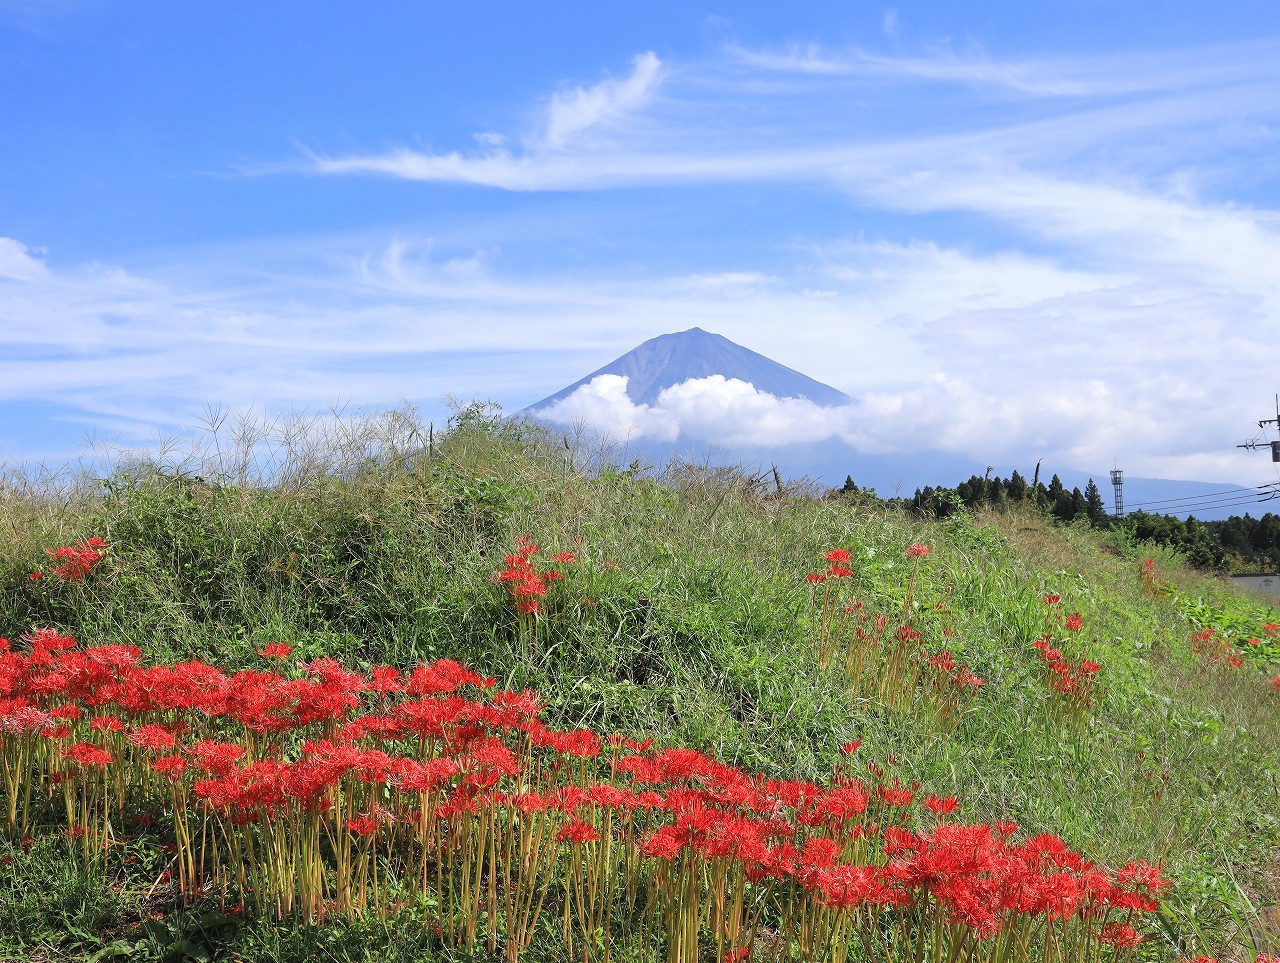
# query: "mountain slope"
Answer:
x=683 y=616
x=672 y=359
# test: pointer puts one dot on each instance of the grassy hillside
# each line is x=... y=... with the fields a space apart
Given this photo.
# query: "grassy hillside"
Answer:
x=687 y=617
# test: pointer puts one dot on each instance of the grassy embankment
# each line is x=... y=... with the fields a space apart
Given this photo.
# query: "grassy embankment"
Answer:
x=686 y=618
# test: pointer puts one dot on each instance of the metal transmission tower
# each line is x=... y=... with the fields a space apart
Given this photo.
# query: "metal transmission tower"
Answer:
x=1117 y=479
x=1255 y=444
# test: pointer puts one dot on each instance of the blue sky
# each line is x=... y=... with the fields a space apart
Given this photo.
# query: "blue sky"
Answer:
x=1010 y=231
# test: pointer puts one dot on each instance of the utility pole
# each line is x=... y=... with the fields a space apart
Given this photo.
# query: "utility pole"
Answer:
x=1274 y=445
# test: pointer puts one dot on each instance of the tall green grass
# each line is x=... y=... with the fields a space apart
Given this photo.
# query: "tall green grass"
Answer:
x=688 y=623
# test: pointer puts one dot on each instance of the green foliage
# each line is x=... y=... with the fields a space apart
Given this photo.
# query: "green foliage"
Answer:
x=47 y=902
x=1240 y=544
x=685 y=619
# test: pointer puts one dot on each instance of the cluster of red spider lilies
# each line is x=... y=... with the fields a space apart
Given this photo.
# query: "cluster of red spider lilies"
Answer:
x=75 y=562
x=1073 y=684
x=313 y=789
x=526 y=584
x=895 y=667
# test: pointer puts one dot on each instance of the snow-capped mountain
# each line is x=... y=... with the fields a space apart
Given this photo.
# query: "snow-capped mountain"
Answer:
x=672 y=359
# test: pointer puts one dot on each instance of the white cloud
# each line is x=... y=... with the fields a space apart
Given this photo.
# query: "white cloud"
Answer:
x=602 y=405
x=716 y=409
x=572 y=112
x=1137 y=72
x=987 y=355
x=16 y=262
x=1051 y=258
x=727 y=281
x=1139 y=232
x=943 y=67
x=889 y=23
x=571 y=126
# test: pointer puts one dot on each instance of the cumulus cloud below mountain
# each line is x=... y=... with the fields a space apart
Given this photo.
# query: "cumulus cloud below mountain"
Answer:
x=716 y=409
x=943 y=414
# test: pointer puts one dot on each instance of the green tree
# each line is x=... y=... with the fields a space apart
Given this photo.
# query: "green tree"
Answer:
x=1061 y=502
x=1094 y=506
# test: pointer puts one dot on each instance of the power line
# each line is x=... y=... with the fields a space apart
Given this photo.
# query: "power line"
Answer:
x=1220 y=502
x=1189 y=498
x=1227 y=503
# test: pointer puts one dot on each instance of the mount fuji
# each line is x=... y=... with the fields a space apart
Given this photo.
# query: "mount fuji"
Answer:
x=697 y=396
x=672 y=359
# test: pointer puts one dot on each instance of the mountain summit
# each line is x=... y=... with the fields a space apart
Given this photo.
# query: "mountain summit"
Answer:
x=672 y=359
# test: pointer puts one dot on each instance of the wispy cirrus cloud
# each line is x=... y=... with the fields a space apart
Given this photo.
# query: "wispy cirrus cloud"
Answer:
x=572 y=113
x=1079 y=77
x=1000 y=355
x=1047 y=256
x=768 y=115
x=1086 y=159
x=577 y=118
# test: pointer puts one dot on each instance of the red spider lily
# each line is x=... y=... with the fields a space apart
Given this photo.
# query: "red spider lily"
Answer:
x=1215 y=649
x=366 y=824
x=1074 y=622
x=581 y=744
x=309 y=788
x=840 y=555
x=1073 y=685
x=528 y=586
x=170 y=766
x=75 y=561
x=217 y=758
x=918 y=550
x=1052 y=599
x=1120 y=935
x=17 y=718
x=895 y=796
x=578 y=832
x=48 y=640
x=1142 y=874
x=942 y=806
x=951 y=686
x=444 y=676
x=276 y=650
x=87 y=754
